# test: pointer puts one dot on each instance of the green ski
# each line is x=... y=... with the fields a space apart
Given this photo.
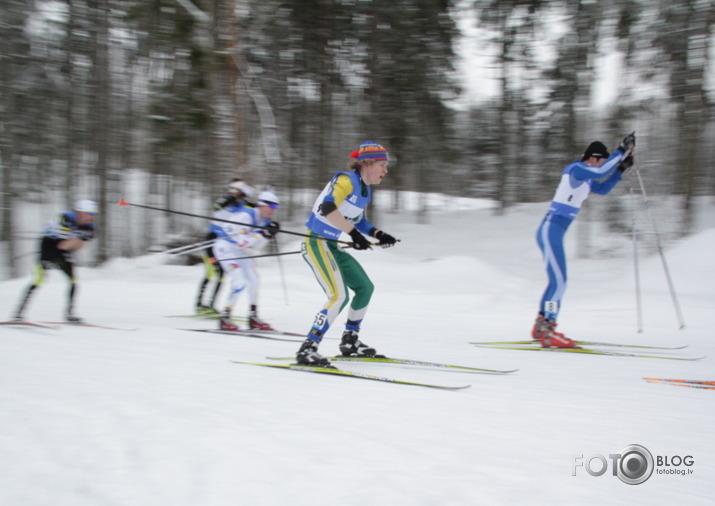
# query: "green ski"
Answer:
x=588 y=351
x=579 y=343
x=351 y=374
x=405 y=361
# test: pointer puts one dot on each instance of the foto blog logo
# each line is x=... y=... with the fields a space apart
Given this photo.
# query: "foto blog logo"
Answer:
x=633 y=465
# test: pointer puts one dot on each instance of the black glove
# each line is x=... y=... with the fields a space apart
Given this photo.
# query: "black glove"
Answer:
x=628 y=143
x=626 y=163
x=385 y=239
x=359 y=241
x=272 y=230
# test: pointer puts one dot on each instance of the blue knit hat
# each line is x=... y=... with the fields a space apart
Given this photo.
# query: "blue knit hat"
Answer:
x=370 y=151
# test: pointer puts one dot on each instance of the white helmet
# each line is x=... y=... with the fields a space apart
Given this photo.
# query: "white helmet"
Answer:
x=268 y=198
x=242 y=187
x=86 y=206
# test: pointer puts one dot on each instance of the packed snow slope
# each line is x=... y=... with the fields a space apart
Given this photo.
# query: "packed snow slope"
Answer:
x=160 y=415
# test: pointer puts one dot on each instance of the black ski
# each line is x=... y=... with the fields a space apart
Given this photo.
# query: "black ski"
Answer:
x=274 y=332
x=247 y=333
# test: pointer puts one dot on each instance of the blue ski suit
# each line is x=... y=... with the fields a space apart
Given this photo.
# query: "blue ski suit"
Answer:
x=578 y=180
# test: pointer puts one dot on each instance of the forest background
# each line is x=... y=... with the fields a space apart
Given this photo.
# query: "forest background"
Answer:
x=167 y=100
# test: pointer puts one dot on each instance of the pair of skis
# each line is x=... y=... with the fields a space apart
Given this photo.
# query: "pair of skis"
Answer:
x=351 y=374
x=593 y=348
x=277 y=335
x=381 y=360
x=56 y=325
x=706 y=385
x=207 y=316
x=273 y=335
x=23 y=323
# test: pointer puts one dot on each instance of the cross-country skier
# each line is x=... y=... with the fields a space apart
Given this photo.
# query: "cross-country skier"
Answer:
x=232 y=239
x=577 y=180
x=239 y=194
x=340 y=207
x=60 y=240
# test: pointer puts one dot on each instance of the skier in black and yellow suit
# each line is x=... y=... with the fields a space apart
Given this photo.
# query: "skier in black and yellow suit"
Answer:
x=60 y=240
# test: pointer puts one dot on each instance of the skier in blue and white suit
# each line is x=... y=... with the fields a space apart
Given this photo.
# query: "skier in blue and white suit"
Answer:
x=239 y=195
x=597 y=172
x=243 y=227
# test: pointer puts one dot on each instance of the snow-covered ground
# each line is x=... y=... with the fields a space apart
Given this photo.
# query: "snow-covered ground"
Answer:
x=161 y=416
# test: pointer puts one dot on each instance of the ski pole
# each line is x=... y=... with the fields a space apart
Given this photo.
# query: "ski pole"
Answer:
x=634 y=233
x=193 y=250
x=659 y=246
x=214 y=260
x=639 y=306
x=187 y=248
x=123 y=202
x=282 y=271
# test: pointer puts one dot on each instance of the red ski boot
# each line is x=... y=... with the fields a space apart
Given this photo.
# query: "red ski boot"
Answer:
x=539 y=328
x=545 y=331
x=225 y=323
x=255 y=323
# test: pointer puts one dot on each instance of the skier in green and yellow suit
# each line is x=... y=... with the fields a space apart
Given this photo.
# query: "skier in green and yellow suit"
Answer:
x=339 y=208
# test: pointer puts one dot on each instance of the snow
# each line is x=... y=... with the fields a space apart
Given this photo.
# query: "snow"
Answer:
x=160 y=415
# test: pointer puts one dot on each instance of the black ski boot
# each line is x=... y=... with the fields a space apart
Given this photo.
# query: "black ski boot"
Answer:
x=308 y=355
x=76 y=320
x=351 y=346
